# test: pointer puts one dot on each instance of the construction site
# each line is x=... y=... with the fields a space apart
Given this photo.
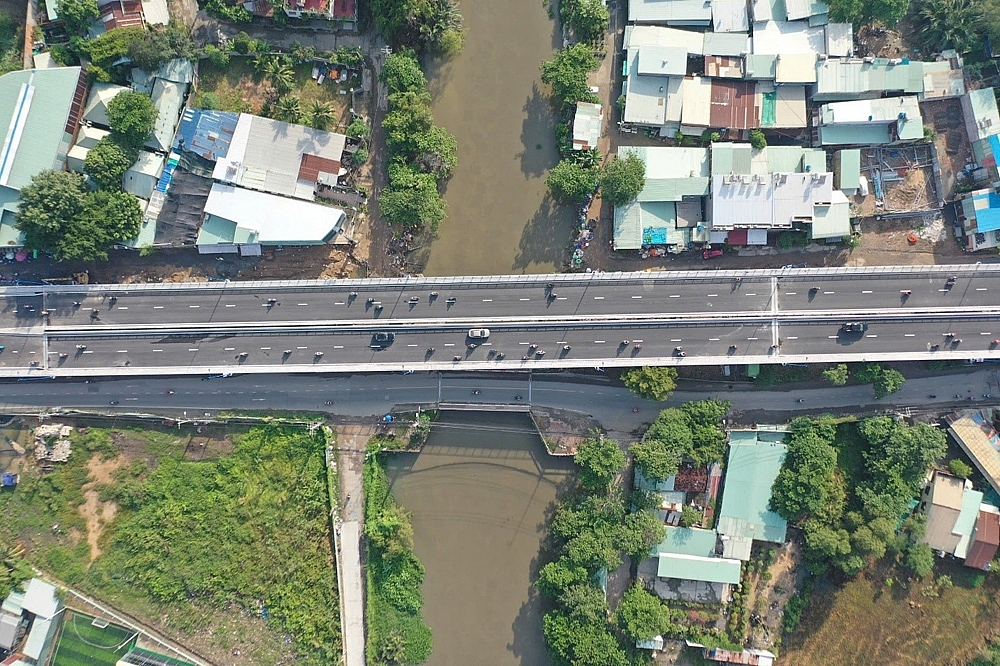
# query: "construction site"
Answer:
x=902 y=181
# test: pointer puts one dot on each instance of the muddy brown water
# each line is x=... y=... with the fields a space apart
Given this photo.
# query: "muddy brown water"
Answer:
x=480 y=493
x=491 y=98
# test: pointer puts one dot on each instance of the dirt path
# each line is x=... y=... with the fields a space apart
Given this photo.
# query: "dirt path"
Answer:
x=94 y=511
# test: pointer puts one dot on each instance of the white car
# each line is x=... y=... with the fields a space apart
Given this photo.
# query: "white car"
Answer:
x=479 y=333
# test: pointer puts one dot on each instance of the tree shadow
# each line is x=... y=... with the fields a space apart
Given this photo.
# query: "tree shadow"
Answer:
x=439 y=72
x=546 y=237
x=539 y=153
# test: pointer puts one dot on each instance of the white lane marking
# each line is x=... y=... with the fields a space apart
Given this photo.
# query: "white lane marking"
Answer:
x=790 y=293
x=909 y=335
x=302 y=304
x=871 y=336
x=598 y=298
x=753 y=338
x=986 y=333
x=265 y=348
x=637 y=297
x=563 y=298
x=122 y=351
x=257 y=399
x=452 y=344
x=793 y=337
x=675 y=295
x=712 y=295
x=598 y=342
x=123 y=307
x=229 y=349
x=867 y=291
x=338 y=302
x=338 y=346
x=713 y=339
x=980 y=288
x=194 y=306
x=829 y=292
x=302 y=347
x=637 y=341
x=88 y=352
x=193 y=349
x=486 y=344
x=524 y=299
x=487 y=300
x=157 y=350
x=131 y=399
x=943 y=290
x=230 y=305
x=157 y=307
x=675 y=339
x=749 y=294
x=411 y=345
x=832 y=337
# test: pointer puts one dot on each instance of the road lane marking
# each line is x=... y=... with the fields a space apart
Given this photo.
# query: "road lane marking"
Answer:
x=675 y=295
x=749 y=294
x=88 y=352
x=229 y=349
x=452 y=344
x=944 y=290
x=338 y=302
x=230 y=305
x=986 y=333
x=675 y=339
x=791 y=293
x=637 y=341
x=871 y=336
x=302 y=347
x=713 y=339
x=123 y=307
x=753 y=338
x=157 y=350
x=122 y=351
x=487 y=300
x=563 y=298
x=829 y=292
x=157 y=307
x=411 y=345
x=338 y=346
x=637 y=297
x=598 y=298
x=598 y=342
x=980 y=288
x=909 y=335
x=524 y=299
x=712 y=295
x=265 y=348
x=793 y=337
x=194 y=306
x=193 y=349
x=832 y=337
x=867 y=291
x=302 y=304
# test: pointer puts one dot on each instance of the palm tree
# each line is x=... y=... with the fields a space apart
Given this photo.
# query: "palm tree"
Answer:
x=260 y=65
x=281 y=75
x=320 y=114
x=289 y=109
x=949 y=24
x=443 y=16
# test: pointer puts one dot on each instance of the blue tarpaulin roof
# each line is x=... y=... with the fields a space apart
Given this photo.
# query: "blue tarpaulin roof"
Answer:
x=206 y=133
x=988 y=215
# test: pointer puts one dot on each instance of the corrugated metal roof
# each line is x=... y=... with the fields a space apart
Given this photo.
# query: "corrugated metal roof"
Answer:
x=733 y=105
x=586 y=125
x=730 y=16
x=726 y=44
x=753 y=466
x=761 y=66
x=696 y=108
x=688 y=541
x=803 y=9
x=833 y=221
x=678 y=12
x=646 y=96
x=796 y=68
x=628 y=226
x=987 y=536
x=848 y=169
x=270 y=218
x=839 y=39
x=168 y=98
x=661 y=61
x=96 y=110
x=206 y=133
x=982 y=119
x=141 y=177
x=731 y=157
x=966 y=523
x=34 y=124
x=787 y=37
x=852 y=78
x=642 y=35
x=706 y=569
x=975 y=434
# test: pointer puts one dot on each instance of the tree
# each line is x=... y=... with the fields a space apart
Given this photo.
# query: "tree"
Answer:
x=159 y=44
x=959 y=468
x=690 y=516
x=599 y=460
x=640 y=533
x=390 y=533
x=320 y=114
x=412 y=199
x=359 y=129
x=837 y=375
x=48 y=205
x=652 y=383
x=289 y=109
x=107 y=162
x=401 y=73
x=132 y=117
x=708 y=439
x=409 y=117
x=641 y=615
x=945 y=24
x=888 y=381
x=437 y=152
x=920 y=559
x=584 y=602
x=217 y=56
x=567 y=73
x=656 y=459
x=622 y=179
x=594 y=551
x=281 y=75
x=571 y=182
x=117 y=214
x=801 y=486
x=587 y=18
x=580 y=644
x=77 y=15
x=557 y=576
x=757 y=139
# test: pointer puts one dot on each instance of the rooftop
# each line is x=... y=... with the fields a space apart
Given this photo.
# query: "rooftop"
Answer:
x=168 y=98
x=852 y=78
x=692 y=567
x=586 y=126
x=730 y=16
x=676 y=12
x=985 y=539
x=661 y=60
x=242 y=216
x=973 y=430
x=787 y=37
x=205 y=133
x=753 y=466
x=40 y=598
x=981 y=116
x=768 y=201
x=688 y=541
x=876 y=121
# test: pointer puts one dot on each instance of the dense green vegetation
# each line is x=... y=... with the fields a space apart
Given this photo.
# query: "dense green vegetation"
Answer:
x=112 y=54
x=848 y=485
x=887 y=12
x=11 y=44
x=652 y=383
x=571 y=182
x=77 y=15
x=422 y=155
x=884 y=380
x=58 y=214
x=622 y=179
x=693 y=432
x=423 y=25
x=249 y=530
x=397 y=633
x=586 y=19
x=836 y=375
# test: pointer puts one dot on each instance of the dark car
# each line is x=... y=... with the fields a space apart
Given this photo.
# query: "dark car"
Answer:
x=854 y=327
x=382 y=339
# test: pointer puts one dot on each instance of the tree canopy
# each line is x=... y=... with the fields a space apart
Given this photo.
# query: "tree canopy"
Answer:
x=77 y=15
x=412 y=199
x=131 y=116
x=588 y=19
x=401 y=73
x=599 y=460
x=622 y=179
x=651 y=382
x=425 y=25
x=567 y=73
x=107 y=162
x=642 y=615
x=57 y=214
x=836 y=375
x=571 y=182
x=949 y=24
x=888 y=12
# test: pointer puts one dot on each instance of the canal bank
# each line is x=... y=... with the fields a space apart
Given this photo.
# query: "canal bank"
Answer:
x=480 y=493
x=490 y=96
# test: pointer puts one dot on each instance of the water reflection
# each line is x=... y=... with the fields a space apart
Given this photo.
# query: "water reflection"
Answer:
x=481 y=493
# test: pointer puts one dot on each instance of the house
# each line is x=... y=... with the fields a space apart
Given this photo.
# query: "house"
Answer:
x=979 y=108
x=42 y=607
x=168 y=98
x=86 y=138
x=586 y=126
x=96 y=110
x=755 y=459
x=671 y=12
x=669 y=209
x=203 y=137
x=973 y=430
x=142 y=177
x=10 y=630
x=39 y=112
x=951 y=507
x=331 y=10
x=695 y=578
x=978 y=215
x=754 y=657
x=870 y=121
x=985 y=538
x=847 y=170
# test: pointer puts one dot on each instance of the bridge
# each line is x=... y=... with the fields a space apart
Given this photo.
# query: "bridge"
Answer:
x=587 y=320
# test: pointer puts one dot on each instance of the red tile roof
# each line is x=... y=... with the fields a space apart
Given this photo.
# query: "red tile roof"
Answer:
x=76 y=108
x=343 y=9
x=985 y=541
x=311 y=165
x=123 y=14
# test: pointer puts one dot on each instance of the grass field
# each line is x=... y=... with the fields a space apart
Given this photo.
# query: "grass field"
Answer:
x=83 y=644
x=869 y=622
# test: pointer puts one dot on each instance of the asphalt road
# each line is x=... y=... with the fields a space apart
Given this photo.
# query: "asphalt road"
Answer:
x=535 y=321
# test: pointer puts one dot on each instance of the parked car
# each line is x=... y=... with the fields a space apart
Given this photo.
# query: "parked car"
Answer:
x=479 y=333
x=711 y=254
x=855 y=327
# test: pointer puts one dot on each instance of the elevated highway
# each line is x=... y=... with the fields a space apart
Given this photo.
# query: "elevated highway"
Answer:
x=537 y=321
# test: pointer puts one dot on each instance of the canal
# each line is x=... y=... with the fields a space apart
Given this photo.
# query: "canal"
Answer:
x=480 y=493
x=490 y=97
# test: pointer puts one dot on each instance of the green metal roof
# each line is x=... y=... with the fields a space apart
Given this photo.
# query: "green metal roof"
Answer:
x=849 y=168
x=752 y=468
x=707 y=569
x=761 y=66
x=34 y=108
x=216 y=230
x=965 y=524
x=731 y=158
x=688 y=541
x=673 y=189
